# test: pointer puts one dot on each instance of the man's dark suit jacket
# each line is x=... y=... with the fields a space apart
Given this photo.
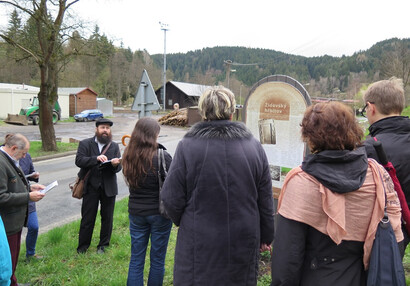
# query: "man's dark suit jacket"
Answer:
x=86 y=159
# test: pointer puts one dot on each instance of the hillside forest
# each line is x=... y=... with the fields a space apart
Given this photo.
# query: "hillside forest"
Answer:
x=114 y=72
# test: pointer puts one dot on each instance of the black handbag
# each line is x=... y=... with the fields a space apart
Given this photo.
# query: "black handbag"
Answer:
x=385 y=266
x=161 y=179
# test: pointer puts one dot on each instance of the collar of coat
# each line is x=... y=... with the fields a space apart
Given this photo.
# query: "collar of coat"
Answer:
x=219 y=129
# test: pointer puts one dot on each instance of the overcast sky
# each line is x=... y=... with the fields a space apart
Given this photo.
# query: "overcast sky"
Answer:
x=301 y=27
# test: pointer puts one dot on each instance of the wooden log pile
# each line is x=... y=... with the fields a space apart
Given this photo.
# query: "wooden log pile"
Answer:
x=177 y=117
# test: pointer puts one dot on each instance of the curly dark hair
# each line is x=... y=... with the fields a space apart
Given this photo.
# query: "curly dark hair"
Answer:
x=330 y=126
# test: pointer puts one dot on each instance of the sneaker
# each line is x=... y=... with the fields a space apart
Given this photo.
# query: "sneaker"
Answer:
x=100 y=250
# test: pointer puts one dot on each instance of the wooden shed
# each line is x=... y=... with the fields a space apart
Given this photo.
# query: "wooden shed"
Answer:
x=185 y=94
x=80 y=98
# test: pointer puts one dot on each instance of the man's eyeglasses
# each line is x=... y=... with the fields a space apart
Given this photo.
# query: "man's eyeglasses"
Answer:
x=363 y=110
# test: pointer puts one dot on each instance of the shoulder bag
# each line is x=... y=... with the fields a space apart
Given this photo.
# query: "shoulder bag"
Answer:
x=77 y=188
x=161 y=162
x=385 y=266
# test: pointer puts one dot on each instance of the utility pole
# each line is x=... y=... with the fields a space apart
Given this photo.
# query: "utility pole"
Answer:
x=164 y=27
x=228 y=71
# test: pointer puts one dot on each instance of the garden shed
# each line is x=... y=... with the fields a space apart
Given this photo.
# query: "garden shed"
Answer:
x=80 y=98
x=183 y=93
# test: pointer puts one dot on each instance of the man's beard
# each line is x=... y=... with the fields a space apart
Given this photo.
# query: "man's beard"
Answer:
x=103 y=138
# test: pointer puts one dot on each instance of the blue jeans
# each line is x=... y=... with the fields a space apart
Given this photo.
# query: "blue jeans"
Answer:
x=141 y=227
x=32 y=233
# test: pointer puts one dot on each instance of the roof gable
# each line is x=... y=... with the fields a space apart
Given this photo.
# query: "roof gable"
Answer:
x=190 y=89
x=75 y=90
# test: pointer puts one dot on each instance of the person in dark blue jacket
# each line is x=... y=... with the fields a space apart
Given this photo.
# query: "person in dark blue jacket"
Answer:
x=26 y=164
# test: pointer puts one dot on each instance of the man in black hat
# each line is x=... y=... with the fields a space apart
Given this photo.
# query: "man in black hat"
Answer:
x=100 y=156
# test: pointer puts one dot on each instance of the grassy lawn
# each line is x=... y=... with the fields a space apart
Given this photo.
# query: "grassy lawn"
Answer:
x=35 y=148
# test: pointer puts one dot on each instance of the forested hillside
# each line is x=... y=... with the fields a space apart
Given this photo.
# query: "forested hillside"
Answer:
x=114 y=72
x=322 y=76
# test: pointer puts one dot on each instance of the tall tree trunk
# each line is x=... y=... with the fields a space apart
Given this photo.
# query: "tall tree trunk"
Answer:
x=47 y=131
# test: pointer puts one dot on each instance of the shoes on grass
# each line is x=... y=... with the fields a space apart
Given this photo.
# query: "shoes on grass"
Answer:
x=100 y=250
x=33 y=257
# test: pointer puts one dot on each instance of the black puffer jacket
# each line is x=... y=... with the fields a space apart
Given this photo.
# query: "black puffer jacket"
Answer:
x=219 y=192
x=394 y=133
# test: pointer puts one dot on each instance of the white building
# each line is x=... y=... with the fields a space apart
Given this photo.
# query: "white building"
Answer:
x=14 y=97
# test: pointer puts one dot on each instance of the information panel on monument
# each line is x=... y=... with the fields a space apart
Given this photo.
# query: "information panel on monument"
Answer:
x=273 y=112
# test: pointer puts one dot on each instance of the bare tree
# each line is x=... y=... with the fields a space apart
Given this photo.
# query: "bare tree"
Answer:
x=47 y=52
x=397 y=62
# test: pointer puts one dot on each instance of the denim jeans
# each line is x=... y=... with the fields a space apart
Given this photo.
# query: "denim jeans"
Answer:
x=141 y=228
x=32 y=233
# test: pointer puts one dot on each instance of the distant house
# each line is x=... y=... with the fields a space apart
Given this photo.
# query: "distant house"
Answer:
x=80 y=98
x=185 y=94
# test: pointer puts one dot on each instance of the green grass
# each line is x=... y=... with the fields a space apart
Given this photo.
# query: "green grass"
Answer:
x=62 y=265
x=406 y=111
x=36 y=151
x=69 y=119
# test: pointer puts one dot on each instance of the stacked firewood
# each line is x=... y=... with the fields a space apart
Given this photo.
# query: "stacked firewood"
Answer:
x=178 y=117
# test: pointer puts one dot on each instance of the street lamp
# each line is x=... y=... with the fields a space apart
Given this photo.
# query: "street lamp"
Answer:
x=164 y=27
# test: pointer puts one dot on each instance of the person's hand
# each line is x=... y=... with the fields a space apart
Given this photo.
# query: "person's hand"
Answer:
x=115 y=162
x=35 y=196
x=36 y=187
x=36 y=175
x=264 y=247
x=102 y=158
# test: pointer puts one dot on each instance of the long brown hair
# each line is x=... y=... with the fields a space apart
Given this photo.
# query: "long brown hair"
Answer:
x=141 y=148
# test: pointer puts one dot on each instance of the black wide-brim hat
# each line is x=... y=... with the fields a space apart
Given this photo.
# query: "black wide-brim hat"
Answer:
x=103 y=121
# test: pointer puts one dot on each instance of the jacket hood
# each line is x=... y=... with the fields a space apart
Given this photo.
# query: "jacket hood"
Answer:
x=394 y=124
x=219 y=129
x=340 y=171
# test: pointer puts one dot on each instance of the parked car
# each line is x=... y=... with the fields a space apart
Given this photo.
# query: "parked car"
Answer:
x=88 y=115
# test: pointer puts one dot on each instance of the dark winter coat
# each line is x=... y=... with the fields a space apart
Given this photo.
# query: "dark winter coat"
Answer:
x=394 y=133
x=219 y=192
x=14 y=195
x=304 y=256
x=86 y=159
x=144 y=200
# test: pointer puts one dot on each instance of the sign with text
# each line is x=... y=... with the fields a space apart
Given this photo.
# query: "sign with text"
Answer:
x=273 y=112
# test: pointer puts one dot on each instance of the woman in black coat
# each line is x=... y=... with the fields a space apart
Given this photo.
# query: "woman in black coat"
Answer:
x=219 y=192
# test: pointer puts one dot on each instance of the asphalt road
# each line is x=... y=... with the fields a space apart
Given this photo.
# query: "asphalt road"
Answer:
x=58 y=207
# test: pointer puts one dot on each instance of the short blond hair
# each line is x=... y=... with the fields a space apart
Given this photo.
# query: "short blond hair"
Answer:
x=216 y=103
x=387 y=95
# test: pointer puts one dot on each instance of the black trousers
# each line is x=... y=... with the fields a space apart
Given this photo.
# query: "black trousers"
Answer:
x=89 y=209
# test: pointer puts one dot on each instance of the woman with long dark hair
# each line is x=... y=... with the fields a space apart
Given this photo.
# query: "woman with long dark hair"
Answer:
x=140 y=168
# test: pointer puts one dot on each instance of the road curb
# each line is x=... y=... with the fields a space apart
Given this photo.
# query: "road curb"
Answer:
x=57 y=155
